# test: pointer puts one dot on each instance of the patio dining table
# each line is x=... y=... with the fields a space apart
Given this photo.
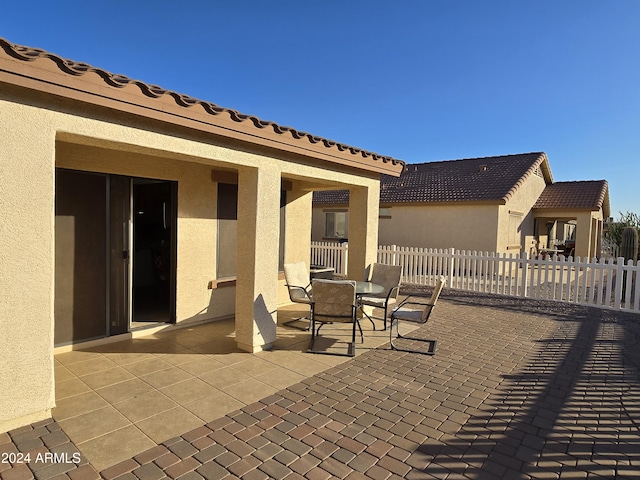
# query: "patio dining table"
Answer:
x=368 y=288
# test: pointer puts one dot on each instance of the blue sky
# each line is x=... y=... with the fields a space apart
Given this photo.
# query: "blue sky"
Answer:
x=419 y=80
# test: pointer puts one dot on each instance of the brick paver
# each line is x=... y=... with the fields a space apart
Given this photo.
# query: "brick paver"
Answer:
x=517 y=389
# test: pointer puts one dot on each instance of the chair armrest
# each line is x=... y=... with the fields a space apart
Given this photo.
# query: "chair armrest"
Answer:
x=394 y=289
x=302 y=290
x=407 y=301
x=414 y=303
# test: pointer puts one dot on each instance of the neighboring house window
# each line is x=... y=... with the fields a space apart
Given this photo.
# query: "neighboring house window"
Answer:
x=384 y=213
x=335 y=225
x=515 y=219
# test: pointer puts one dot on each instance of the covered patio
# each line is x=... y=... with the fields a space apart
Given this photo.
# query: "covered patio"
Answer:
x=572 y=214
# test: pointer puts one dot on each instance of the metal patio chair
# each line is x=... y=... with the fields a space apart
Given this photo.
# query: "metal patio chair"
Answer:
x=299 y=285
x=389 y=276
x=334 y=302
x=411 y=310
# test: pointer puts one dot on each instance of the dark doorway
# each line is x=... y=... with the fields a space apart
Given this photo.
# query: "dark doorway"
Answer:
x=153 y=251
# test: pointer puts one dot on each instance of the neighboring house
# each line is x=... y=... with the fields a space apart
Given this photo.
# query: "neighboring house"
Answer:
x=125 y=205
x=502 y=204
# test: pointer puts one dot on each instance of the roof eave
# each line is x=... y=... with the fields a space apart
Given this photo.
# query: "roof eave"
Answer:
x=43 y=72
x=543 y=162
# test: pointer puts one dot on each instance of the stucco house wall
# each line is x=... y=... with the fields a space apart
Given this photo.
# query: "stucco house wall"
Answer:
x=440 y=226
x=468 y=227
x=519 y=206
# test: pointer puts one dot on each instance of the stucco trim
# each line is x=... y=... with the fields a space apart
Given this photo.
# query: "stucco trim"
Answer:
x=42 y=71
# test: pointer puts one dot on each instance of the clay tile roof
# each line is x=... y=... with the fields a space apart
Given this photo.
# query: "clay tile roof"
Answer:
x=488 y=179
x=587 y=195
x=42 y=70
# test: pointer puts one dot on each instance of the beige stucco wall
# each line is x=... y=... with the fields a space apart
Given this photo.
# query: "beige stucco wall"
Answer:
x=35 y=140
x=469 y=227
x=26 y=263
x=521 y=202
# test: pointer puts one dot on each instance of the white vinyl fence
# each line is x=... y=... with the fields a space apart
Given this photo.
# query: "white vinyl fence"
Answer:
x=607 y=283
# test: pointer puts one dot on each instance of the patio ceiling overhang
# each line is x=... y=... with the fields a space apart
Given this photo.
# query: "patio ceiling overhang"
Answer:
x=45 y=72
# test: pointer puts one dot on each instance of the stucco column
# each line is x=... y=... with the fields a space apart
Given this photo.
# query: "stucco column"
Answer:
x=583 y=235
x=297 y=247
x=257 y=264
x=363 y=229
x=27 y=159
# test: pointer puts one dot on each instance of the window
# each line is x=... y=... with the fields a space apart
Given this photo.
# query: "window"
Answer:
x=335 y=225
x=228 y=230
x=283 y=213
x=384 y=213
x=515 y=219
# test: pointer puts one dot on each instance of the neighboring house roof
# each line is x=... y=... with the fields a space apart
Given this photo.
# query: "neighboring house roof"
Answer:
x=579 y=195
x=488 y=179
x=39 y=70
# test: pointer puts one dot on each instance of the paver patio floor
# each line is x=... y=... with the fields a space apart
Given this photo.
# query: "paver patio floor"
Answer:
x=517 y=389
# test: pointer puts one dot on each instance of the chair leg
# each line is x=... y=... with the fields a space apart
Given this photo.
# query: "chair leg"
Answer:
x=291 y=323
x=430 y=351
x=384 y=320
x=351 y=346
x=370 y=319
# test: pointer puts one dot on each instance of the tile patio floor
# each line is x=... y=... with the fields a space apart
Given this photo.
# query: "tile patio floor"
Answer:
x=517 y=389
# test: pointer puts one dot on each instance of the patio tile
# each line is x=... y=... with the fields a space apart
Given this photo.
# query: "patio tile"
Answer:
x=230 y=358
x=93 y=424
x=77 y=405
x=169 y=424
x=70 y=387
x=62 y=373
x=124 y=390
x=254 y=366
x=280 y=378
x=214 y=406
x=115 y=447
x=108 y=377
x=164 y=378
x=75 y=356
x=249 y=391
x=178 y=358
x=201 y=365
x=144 y=406
x=307 y=365
x=188 y=391
x=146 y=366
x=219 y=346
x=224 y=377
x=89 y=366
x=123 y=358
